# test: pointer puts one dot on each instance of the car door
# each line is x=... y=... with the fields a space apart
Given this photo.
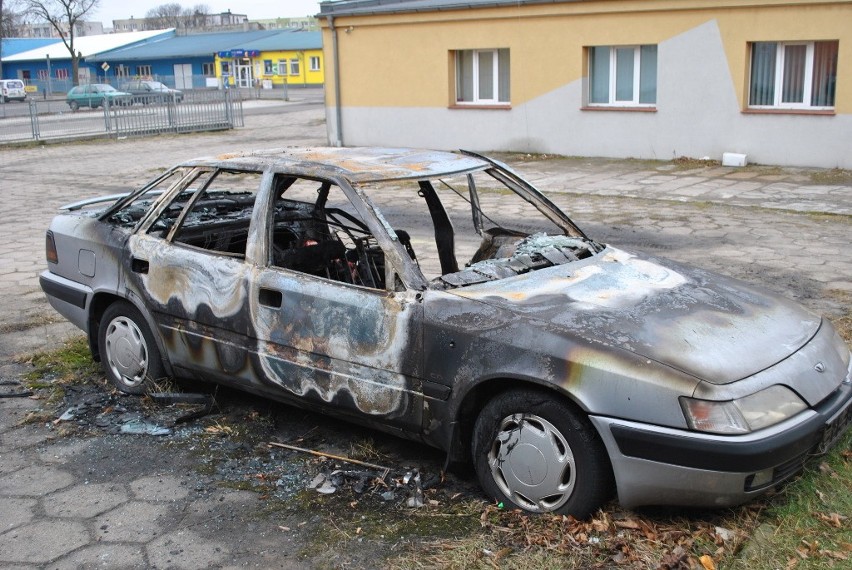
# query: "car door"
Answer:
x=329 y=328
x=187 y=264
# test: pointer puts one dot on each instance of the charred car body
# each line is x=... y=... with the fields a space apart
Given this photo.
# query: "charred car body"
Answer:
x=562 y=366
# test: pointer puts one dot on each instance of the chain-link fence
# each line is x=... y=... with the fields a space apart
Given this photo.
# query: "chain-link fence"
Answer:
x=52 y=119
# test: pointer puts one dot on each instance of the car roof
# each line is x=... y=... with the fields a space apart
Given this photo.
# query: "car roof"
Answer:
x=358 y=164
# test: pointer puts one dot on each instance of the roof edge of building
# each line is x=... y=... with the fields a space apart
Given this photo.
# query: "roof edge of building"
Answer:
x=381 y=7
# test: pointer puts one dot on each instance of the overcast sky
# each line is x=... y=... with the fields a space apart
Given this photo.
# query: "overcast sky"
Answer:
x=110 y=10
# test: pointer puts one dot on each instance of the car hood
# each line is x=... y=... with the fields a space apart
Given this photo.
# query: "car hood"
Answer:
x=712 y=327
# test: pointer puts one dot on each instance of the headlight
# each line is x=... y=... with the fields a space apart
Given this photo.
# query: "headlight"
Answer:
x=750 y=413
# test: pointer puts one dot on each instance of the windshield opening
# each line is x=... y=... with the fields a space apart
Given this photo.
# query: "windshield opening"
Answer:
x=472 y=228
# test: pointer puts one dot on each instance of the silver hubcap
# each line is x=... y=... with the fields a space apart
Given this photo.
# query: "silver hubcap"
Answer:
x=126 y=351
x=532 y=463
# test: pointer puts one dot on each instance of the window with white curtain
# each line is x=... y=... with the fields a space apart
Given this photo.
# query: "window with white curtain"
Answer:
x=793 y=75
x=623 y=76
x=482 y=77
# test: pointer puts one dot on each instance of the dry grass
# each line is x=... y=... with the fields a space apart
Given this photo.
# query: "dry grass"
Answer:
x=832 y=176
x=843 y=322
x=689 y=163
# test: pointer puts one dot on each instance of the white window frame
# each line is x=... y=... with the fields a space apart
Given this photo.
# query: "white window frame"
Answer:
x=283 y=67
x=613 y=78
x=208 y=69
x=807 y=90
x=295 y=67
x=315 y=63
x=495 y=81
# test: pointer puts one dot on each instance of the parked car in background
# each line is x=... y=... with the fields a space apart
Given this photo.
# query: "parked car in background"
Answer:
x=147 y=92
x=12 y=90
x=94 y=95
x=441 y=297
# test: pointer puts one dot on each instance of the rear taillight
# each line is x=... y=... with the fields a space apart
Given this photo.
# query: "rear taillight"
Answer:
x=50 y=247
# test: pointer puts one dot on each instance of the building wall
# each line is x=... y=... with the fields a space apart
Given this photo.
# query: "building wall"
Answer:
x=396 y=75
x=261 y=63
x=34 y=72
x=162 y=70
x=46 y=30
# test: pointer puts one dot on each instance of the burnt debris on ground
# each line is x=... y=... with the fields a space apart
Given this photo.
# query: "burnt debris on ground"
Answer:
x=233 y=437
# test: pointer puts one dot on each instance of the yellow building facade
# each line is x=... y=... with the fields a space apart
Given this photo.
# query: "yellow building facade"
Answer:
x=271 y=69
x=619 y=78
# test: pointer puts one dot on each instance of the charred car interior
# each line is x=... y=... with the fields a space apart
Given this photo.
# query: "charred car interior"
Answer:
x=442 y=297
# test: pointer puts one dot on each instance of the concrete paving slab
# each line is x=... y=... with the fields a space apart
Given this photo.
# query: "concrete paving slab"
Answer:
x=105 y=556
x=35 y=481
x=42 y=541
x=16 y=512
x=164 y=488
x=85 y=501
x=134 y=521
x=186 y=550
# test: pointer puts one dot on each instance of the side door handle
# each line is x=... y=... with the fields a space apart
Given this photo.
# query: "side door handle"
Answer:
x=139 y=265
x=270 y=298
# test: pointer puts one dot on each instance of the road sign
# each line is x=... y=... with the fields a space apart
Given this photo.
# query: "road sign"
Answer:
x=105 y=66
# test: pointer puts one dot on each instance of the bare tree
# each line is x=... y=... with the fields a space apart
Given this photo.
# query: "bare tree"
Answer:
x=63 y=15
x=12 y=18
x=166 y=16
x=172 y=15
x=197 y=15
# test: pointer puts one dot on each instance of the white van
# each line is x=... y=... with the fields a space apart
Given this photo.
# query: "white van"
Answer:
x=12 y=90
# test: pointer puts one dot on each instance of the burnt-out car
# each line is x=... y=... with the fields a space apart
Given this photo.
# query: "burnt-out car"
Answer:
x=441 y=297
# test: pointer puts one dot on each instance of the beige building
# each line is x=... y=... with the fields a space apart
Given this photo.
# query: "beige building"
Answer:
x=201 y=22
x=771 y=79
x=46 y=30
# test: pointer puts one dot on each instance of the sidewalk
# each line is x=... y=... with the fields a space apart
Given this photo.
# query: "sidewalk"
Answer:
x=784 y=188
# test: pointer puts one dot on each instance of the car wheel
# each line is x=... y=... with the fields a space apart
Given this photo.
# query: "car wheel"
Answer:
x=129 y=354
x=74 y=105
x=533 y=452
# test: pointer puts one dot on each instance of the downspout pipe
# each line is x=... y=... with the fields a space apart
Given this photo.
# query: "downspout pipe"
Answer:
x=338 y=111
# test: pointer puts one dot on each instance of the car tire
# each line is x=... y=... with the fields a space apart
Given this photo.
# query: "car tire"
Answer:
x=74 y=105
x=129 y=353
x=534 y=452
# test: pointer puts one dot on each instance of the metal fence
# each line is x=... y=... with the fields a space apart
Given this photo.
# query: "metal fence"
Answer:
x=199 y=110
x=46 y=88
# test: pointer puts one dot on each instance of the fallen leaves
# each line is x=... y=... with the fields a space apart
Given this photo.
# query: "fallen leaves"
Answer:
x=832 y=519
x=616 y=538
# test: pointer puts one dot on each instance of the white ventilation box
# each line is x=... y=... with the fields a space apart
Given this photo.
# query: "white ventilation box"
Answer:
x=734 y=159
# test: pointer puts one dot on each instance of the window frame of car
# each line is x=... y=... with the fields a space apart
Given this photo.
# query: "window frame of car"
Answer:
x=399 y=268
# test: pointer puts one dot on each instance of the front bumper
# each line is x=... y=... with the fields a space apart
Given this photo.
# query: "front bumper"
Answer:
x=655 y=465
